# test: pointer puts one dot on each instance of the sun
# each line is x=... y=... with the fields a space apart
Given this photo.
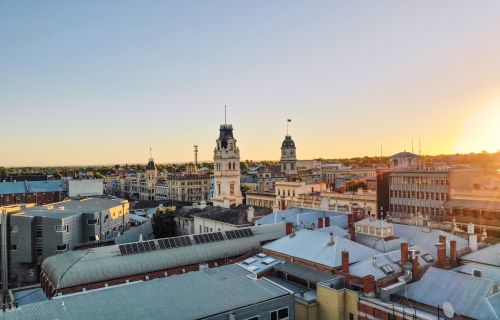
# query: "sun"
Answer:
x=481 y=129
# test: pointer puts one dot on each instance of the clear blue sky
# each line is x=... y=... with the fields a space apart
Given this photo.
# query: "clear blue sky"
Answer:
x=98 y=82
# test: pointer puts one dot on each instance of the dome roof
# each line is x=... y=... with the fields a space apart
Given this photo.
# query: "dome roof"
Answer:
x=151 y=165
x=405 y=154
x=288 y=143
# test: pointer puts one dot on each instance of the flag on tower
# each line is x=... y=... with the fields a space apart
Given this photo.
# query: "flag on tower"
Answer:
x=289 y=120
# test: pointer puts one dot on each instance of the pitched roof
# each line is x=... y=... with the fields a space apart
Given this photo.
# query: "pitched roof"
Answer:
x=234 y=215
x=467 y=294
x=315 y=246
x=487 y=271
x=427 y=239
x=489 y=255
x=302 y=217
x=213 y=291
x=32 y=186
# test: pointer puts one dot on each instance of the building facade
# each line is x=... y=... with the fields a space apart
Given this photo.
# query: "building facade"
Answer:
x=288 y=156
x=190 y=188
x=227 y=169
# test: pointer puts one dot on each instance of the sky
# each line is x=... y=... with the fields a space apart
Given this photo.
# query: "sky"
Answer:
x=102 y=81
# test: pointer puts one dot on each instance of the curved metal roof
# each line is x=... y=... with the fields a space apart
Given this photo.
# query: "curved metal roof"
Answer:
x=405 y=154
x=75 y=268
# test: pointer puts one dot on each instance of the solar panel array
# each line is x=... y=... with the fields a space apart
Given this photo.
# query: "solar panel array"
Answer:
x=176 y=242
x=138 y=247
x=183 y=241
x=208 y=237
x=239 y=233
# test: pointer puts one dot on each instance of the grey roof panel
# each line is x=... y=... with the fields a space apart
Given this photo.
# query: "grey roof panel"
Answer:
x=489 y=255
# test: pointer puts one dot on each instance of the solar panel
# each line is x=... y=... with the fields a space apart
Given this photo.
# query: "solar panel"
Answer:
x=128 y=247
x=241 y=234
x=177 y=242
x=188 y=241
x=206 y=238
x=211 y=237
x=123 y=251
x=233 y=234
x=228 y=235
x=147 y=248
x=152 y=245
x=220 y=236
x=249 y=232
x=141 y=247
x=183 y=241
x=135 y=247
x=172 y=243
x=166 y=243
x=196 y=239
x=162 y=244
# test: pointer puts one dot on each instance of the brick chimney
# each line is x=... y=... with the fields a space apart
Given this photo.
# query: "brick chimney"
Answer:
x=327 y=222
x=350 y=224
x=320 y=223
x=453 y=252
x=345 y=262
x=289 y=228
x=404 y=253
x=441 y=255
x=369 y=286
x=415 y=274
x=442 y=239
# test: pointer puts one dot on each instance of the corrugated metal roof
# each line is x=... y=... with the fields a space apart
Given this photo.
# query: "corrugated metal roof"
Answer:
x=467 y=294
x=133 y=233
x=315 y=246
x=417 y=236
x=304 y=218
x=105 y=263
x=372 y=266
x=32 y=186
x=379 y=244
x=337 y=231
x=191 y=296
x=306 y=273
x=489 y=255
x=487 y=271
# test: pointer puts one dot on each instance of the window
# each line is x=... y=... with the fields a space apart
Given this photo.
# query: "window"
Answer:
x=62 y=247
x=92 y=221
x=387 y=269
x=38 y=231
x=391 y=317
x=15 y=228
x=63 y=228
x=92 y=238
x=13 y=247
x=39 y=249
x=253 y=318
x=280 y=314
x=427 y=257
x=351 y=316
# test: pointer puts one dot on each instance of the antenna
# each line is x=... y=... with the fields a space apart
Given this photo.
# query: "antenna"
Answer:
x=196 y=155
x=225 y=114
x=449 y=312
x=150 y=152
x=287 y=123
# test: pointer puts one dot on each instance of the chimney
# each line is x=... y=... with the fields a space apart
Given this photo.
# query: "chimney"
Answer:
x=327 y=222
x=453 y=252
x=369 y=286
x=350 y=219
x=352 y=233
x=289 y=228
x=250 y=214
x=441 y=255
x=442 y=239
x=415 y=269
x=320 y=223
x=293 y=232
x=345 y=262
x=404 y=253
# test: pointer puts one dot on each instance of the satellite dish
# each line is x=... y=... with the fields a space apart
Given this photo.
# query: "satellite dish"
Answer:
x=449 y=312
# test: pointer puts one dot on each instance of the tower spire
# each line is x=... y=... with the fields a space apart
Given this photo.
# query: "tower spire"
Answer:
x=225 y=114
x=150 y=152
x=287 y=124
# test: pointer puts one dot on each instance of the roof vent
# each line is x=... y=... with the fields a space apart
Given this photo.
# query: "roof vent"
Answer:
x=477 y=273
x=332 y=241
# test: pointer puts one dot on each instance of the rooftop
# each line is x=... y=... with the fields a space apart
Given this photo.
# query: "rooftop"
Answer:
x=316 y=247
x=304 y=218
x=487 y=272
x=489 y=255
x=32 y=186
x=473 y=204
x=105 y=263
x=170 y=297
x=234 y=215
x=467 y=294
x=87 y=205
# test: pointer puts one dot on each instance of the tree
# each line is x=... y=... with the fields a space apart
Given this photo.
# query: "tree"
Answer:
x=164 y=225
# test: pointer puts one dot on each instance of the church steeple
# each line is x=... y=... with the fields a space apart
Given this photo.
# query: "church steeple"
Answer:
x=288 y=154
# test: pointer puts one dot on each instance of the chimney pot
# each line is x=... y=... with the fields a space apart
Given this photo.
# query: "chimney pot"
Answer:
x=369 y=286
x=415 y=269
x=453 y=252
x=441 y=253
x=289 y=228
x=320 y=223
x=327 y=222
